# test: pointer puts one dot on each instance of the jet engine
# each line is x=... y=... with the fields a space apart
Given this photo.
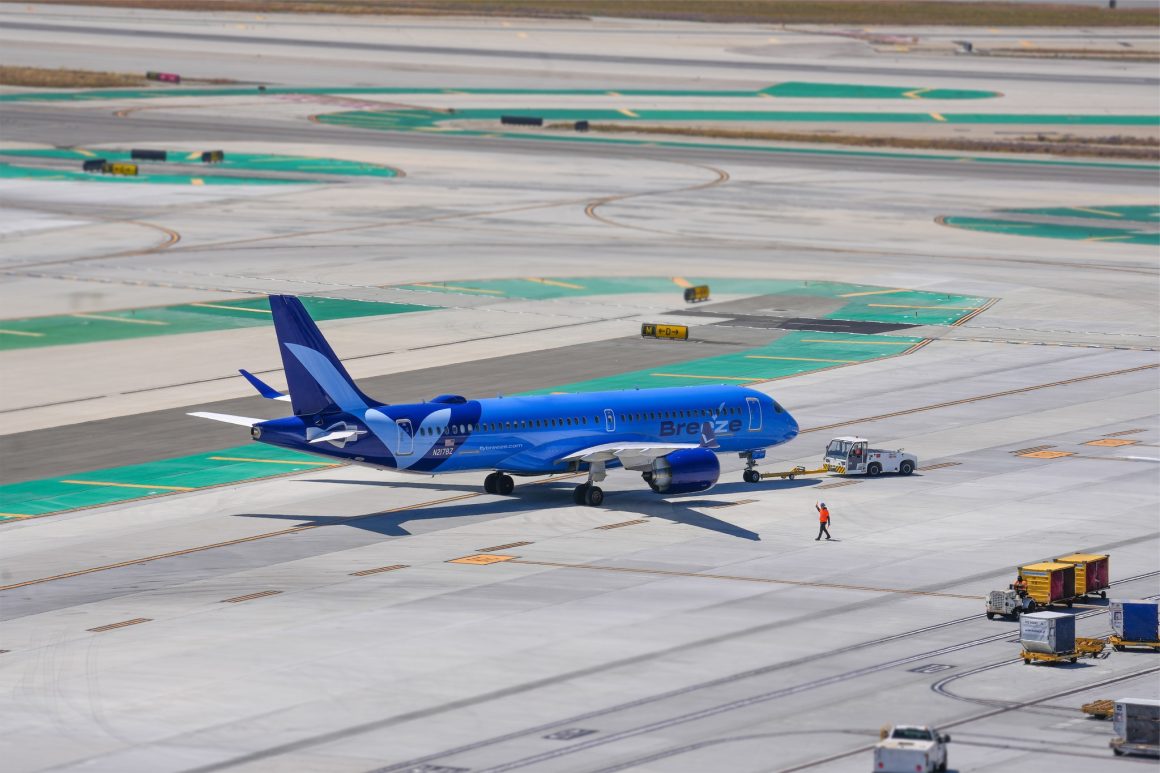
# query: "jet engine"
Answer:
x=683 y=472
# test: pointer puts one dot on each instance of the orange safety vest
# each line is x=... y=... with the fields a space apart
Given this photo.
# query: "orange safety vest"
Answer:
x=824 y=515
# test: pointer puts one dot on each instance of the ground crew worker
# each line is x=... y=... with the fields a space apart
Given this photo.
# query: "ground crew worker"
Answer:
x=823 y=520
x=1020 y=586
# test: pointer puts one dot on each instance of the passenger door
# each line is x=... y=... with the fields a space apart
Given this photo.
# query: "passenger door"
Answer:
x=406 y=445
x=609 y=420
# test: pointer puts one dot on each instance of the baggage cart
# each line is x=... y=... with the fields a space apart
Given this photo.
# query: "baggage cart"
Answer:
x=1091 y=573
x=1101 y=709
x=1084 y=648
x=1050 y=583
x=1119 y=644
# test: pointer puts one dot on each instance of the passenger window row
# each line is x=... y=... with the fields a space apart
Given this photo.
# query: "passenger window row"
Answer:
x=576 y=421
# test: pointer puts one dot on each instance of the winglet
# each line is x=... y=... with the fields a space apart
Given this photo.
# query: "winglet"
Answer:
x=708 y=436
x=264 y=389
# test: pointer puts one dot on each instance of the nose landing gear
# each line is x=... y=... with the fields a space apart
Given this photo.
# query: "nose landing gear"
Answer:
x=751 y=475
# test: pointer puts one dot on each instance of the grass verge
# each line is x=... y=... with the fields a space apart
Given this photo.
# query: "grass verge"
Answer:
x=865 y=12
x=1138 y=148
x=62 y=78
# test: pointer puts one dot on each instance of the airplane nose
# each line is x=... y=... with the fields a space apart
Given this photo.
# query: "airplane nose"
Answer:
x=791 y=425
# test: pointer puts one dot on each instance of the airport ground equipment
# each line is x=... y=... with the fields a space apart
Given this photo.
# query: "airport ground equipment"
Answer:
x=213 y=156
x=1135 y=624
x=910 y=749
x=853 y=456
x=1050 y=582
x=142 y=154
x=1008 y=603
x=1101 y=709
x=1091 y=573
x=1085 y=647
x=120 y=168
x=165 y=77
x=798 y=471
x=670 y=332
x=1136 y=723
x=697 y=294
x=94 y=165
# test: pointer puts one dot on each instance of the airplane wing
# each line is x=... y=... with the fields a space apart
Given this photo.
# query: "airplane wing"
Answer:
x=243 y=421
x=630 y=455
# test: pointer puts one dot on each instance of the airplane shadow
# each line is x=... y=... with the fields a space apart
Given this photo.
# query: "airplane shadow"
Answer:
x=527 y=498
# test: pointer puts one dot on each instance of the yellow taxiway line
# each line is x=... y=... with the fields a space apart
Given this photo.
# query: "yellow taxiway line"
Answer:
x=230 y=308
x=127 y=485
x=104 y=318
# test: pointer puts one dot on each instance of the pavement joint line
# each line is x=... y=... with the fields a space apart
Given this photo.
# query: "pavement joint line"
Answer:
x=856 y=343
x=739 y=578
x=904 y=306
x=978 y=398
x=107 y=318
x=255 y=537
x=710 y=378
x=874 y=292
x=230 y=308
x=272 y=461
x=795 y=359
x=128 y=485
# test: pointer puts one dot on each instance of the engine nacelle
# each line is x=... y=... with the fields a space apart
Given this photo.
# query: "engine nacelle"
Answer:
x=683 y=472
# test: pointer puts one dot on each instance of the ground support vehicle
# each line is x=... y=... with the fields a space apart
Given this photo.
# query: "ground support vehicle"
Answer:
x=1136 y=722
x=791 y=474
x=1101 y=709
x=1008 y=603
x=853 y=456
x=1091 y=573
x=910 y=749
x=1120 y=644
x=1084 y=648
x=1050 y=583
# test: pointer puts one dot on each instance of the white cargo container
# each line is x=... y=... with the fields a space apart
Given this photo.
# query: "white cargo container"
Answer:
x=911 y=749
x=1048 y=633
x=1136 y=722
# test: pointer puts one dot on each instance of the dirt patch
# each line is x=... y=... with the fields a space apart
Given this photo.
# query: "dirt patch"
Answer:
x=67 y=79
x=867 y=12
x=1117 y=146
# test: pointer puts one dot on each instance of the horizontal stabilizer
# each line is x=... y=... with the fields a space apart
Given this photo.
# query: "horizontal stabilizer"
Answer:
x=243 y=421
x=339 y=435
x=264 y=389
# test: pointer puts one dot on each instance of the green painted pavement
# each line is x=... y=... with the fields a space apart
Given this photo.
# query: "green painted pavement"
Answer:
x=793 y=353
x=1145 y=213
x=1055 y=231
x=230 y=465
x=422 y=121
x=429 y=118
x=83 y=328
x=865 y=302
x=791 y=89
x=154 y=171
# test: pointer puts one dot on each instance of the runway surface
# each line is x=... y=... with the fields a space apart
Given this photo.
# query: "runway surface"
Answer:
x=323 y=619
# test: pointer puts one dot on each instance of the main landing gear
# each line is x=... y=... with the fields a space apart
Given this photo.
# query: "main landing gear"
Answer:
x=498 y=483
x=589 y=493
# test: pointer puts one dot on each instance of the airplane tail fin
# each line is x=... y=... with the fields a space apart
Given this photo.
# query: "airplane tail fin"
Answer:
x=708 y=436
x=315 y=376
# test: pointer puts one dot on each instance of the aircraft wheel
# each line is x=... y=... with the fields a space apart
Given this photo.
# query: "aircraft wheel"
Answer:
x=504 y=485
x=594 y=496
x=580 y=494
x=489 y=482
x=752 y=476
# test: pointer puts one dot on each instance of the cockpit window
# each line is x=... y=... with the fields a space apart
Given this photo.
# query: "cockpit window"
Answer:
x=777 y=407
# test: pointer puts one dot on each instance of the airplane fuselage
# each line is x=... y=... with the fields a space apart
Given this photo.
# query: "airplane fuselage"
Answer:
x=530 y=435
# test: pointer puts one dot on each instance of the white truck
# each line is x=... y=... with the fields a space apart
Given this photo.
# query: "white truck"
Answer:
x=911 y=749
x=853 y=456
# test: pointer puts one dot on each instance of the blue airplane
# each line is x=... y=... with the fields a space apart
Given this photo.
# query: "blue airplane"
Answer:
x=670 y=435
